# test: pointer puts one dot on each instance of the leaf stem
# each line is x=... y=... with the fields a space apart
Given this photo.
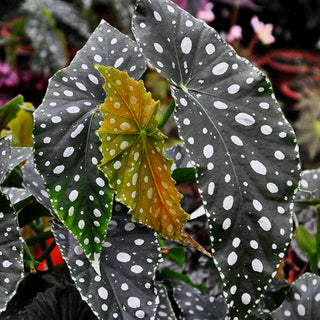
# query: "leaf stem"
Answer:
x=38 y=237
x=167 y=114
x=46 y=252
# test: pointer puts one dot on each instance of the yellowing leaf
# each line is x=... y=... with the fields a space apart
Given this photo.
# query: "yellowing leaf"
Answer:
x=133 y=160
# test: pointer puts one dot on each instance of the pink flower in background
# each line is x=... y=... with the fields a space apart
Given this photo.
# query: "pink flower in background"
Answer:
x=205 y=13
x=200 y=8
x=234 y=34
x=263 y=31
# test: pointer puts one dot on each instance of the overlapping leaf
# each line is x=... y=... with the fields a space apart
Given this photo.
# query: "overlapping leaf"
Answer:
x=66 y=147
x=302 y=301
x=132 y=149
x=124 y=289
x=164 y=310
x=11 y=259
x=195 y=304
x=242 y=147
x=5 y=156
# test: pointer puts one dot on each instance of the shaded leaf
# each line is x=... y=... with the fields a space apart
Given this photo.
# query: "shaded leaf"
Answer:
x=243 y=149
x=197 y=305
x=68 y=15
x=47 y=40
x=133 y=162
x=307 y=241
x=164 y=310
x=302 y=301
x=10 y=110
x=309 y=187
x=66 y=147
x=11 y=258
x=59 y=303
x=129 y=257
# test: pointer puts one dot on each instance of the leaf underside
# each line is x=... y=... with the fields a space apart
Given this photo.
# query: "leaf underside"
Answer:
x=129 y=259
x=242 y=147
x=66 y=146
x=133 y=161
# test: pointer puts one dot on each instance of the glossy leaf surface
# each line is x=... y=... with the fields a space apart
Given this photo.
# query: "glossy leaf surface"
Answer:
x=66 y=147
x=129 y=258
x=302 y=301
x=133 y=162
x=11 y=259
x=238 y=140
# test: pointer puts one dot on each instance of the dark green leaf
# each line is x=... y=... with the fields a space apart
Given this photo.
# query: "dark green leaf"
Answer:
x=11 y=259
x=167 y=114
x=183 y=175
x=66 y=147
x=302 y=301
x=197 y=305
x=124 y=289
x=243 y=149
x=177 y=255
x=10 y=110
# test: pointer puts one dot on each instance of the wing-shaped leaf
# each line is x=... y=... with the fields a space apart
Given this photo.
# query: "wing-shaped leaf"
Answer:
x=302 y=301
x=66 y=147
x=243 y=149
x=195 y=304
x=129 y=258
x=5 y=156
x=133 y=162
x=11 y=259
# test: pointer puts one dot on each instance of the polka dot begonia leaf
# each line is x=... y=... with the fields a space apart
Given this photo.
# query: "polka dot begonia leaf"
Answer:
x=197 y=305
x=33 y=183
x=309 y=191
x=133 y=160
x=164 y=310
x=242 y=147
x=16 y=195
x=302 y=301
x=5 y=157
x=19 y=154
x=129 y=258
x=11 y=247
x=66 y=146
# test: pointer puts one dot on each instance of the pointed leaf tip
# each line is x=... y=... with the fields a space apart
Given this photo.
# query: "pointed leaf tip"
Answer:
x=133 y=162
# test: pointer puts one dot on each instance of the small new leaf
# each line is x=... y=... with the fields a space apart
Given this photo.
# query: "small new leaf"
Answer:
x=133 y=160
